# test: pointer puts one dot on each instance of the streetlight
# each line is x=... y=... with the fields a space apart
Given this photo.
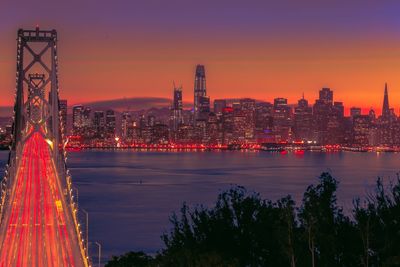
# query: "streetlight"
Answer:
x=99 y=252
x=77 y=196
x=87 y=230
x=1 y=187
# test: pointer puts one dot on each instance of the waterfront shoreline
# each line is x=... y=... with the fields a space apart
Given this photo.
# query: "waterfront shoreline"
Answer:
x=203 y=148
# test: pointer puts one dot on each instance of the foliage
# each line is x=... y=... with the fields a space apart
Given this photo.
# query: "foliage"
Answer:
x=242 y=229
x=130 y=259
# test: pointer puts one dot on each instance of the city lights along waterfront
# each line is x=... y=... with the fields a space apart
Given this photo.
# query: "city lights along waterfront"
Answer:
x=238 y=124
x=243 y=123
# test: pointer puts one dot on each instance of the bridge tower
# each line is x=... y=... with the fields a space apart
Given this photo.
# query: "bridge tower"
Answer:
x=37 y=71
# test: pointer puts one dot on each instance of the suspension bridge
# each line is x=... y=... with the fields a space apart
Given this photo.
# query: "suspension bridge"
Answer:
x=38 y=215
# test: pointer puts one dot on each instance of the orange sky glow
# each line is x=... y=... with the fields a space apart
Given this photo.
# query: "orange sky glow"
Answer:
x=114 y=59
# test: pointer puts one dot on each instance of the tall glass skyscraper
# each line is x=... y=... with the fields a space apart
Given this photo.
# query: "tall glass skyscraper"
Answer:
x=200 y=91
x=177 y=106
x=385 y=106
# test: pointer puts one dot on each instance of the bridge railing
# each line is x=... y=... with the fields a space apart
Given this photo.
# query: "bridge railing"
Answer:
x=10 y=172
x=66 y=183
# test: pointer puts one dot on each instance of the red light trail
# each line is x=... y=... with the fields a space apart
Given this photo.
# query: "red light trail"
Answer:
x=37 y=227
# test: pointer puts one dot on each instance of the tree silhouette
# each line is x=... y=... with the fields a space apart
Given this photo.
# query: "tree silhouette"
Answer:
x=242 y=229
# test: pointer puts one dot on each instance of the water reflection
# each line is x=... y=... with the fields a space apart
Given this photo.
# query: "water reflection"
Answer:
x=131 y=194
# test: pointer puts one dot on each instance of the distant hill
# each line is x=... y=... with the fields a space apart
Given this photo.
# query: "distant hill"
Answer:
x=122 y=104
x=6 y=111
x=132 y=103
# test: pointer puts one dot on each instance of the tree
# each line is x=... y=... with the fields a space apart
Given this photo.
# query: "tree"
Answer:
x=364 y=218
x=131 y=259
x=321 y=220
x=287 y=216
x=244 y=230
x=379 y=225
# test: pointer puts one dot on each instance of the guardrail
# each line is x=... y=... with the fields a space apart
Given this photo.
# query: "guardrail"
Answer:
x=66 y=182
x=5 y=184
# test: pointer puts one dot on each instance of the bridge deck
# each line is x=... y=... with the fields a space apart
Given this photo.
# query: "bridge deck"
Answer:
x=38 y=229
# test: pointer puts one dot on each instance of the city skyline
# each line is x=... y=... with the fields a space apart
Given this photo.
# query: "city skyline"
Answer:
x=240 y=123
x=222 y=123
x=137 y=103
x=249 y=50
x=85 y=182
x=187 y=104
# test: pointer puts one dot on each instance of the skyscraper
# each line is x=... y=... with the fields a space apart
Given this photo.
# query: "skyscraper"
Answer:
x=126 y=123
x=200 y=91
x=303 y=120
x=77 y=119
x=203 y=108
x=227 y=125
x=280 y=103
x=99 y=123
x=264 y=121
x=335 y=124
x=322 y=110
x=361 y=129
x=219 y=105
x=385 y=106
x=386 y=126
x=110 y=123
x=326 y=95
x=177 y=106
x=248 y=108
x=355 y=111
x=151 y=120
x=86 y=122
x=281 y=119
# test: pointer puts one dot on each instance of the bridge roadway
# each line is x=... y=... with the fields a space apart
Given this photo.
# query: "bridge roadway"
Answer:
x=38 y=228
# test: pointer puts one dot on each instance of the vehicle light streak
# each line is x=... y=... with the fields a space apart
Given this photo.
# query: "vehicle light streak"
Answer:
x=38 y=227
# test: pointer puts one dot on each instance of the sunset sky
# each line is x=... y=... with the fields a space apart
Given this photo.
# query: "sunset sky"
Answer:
x=262 y=49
